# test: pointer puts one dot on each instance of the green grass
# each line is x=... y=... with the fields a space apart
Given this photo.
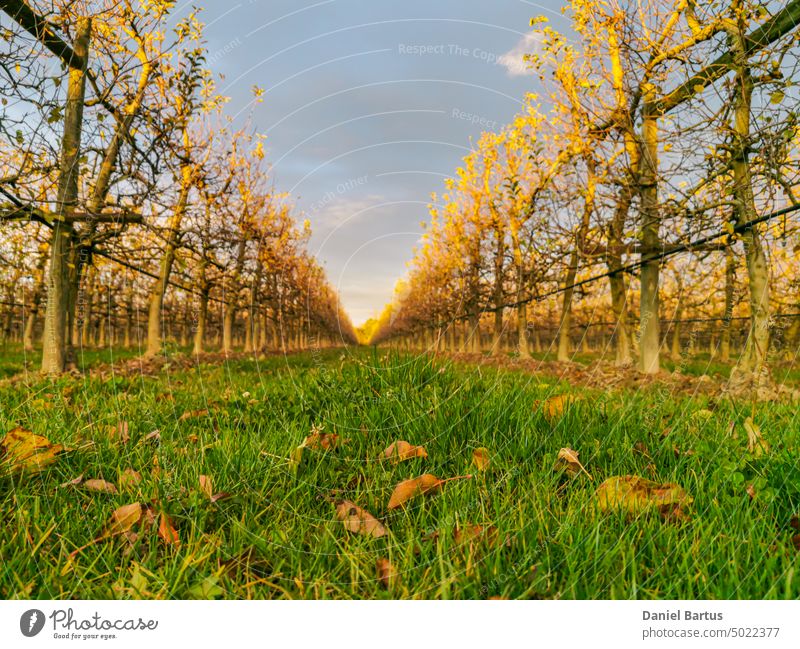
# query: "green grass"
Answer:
x=278 y=537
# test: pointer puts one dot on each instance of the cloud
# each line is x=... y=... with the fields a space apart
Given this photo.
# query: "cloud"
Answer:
x=514 y=60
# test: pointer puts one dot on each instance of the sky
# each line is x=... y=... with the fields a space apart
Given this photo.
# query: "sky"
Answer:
x=368 y=106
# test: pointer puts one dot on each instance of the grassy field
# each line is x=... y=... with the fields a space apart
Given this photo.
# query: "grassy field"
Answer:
x=274 y=533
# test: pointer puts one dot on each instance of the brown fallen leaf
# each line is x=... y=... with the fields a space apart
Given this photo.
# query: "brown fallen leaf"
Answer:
x=120 y=432
x=206 y=486
x=401 y=450
x=633 y=494
x=193 y=414
x=424 y=484
x=387 y=575
x=153 y=437
x=756 y=444
x=24 y=451
x=359 y=521
x=101 y=486
x=128 y=479
x=166 y=531
x=321 y=441
x=568 y=460
x=481 y=458
x=553 y=407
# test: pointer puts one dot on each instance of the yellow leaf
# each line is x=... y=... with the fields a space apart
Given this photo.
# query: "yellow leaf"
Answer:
x=22 y=450
x=756 y=444
x=480 y=458
x=553 y=407
x=633 y=494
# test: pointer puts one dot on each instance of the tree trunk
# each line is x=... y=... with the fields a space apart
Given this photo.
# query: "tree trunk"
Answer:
x=649 y=325
x=755 y=354
x=159 y=289
x=730 y=280
x=54 y=348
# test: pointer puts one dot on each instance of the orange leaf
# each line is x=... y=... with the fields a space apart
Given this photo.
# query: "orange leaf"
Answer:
x=480 y=458
x=166 y=531
x=402 y=450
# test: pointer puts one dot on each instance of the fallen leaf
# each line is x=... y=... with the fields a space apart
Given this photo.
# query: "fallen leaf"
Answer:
x=122 y=520
x=553 y=407
x=408 y=489
x=120 y=432
x=402 y=450
x=324 y=441
x=206 y=486
x=128 y=479
x=756 y=444
x=166 y=531
x=568 y=460
x=387 y=575
x=222 y=495
x=192 y=414
x=153 y=437
x=359 y=521
x=424 y=484
x=480 y=458
x=101 y=486
x=633 y=494
x=22 y=450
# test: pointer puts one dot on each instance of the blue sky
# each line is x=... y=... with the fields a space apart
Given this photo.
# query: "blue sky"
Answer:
x=368 y=107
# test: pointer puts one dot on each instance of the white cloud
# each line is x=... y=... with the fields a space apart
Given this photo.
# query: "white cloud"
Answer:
x=514 y=60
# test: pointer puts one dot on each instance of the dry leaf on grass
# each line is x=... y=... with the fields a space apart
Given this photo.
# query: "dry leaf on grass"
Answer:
x=633 y=494
x=553 y=407
x=321 y=441
x=167 y=531
x=193 y=414
x=568 y=460
x=387 y=575
x=128 y=479
x=359 y=521
x=401 y=450
x=424 y=484
x=101 y=486
x=481 y=458
x=756 y=444
x=206 y=486
x=21 y=450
